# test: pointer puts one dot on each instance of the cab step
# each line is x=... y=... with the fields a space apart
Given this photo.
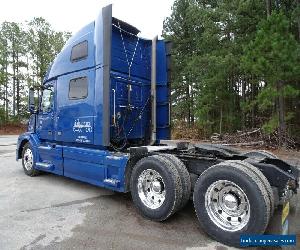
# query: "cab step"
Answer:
x=45 y=166
x=111 y=182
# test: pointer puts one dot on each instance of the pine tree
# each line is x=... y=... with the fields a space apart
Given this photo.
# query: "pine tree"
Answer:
x=274 y=55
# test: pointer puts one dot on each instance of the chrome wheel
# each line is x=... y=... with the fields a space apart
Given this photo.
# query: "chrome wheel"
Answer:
x=28 y=159
x=227 y=205
x=151 y=189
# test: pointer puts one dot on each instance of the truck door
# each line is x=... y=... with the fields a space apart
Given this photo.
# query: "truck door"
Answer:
x=50 y=154
x=75 y=107
x=45 y=123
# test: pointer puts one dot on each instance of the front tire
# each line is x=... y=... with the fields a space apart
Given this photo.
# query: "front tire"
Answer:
x=229 y=201
x=28 y=161
x=156 y=188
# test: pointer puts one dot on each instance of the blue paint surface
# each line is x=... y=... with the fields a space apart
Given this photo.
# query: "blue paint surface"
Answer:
x=70 y=137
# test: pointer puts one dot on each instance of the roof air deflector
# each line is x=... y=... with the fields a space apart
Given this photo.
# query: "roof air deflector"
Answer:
x=125 y=26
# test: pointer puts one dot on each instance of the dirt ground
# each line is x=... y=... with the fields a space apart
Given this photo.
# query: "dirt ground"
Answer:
x=12 y=129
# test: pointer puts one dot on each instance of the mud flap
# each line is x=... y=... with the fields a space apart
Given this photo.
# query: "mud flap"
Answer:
x=284 y=218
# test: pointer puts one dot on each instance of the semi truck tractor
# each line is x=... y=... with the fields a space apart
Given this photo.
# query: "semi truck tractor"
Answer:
x=103 y=117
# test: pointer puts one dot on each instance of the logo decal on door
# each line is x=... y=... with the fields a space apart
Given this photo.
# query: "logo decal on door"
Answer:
x=82 y=126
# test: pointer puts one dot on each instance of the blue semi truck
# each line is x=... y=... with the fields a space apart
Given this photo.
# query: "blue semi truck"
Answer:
x=104 y=118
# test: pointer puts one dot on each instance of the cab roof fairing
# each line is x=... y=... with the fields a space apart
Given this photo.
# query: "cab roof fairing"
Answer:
x=64 y=55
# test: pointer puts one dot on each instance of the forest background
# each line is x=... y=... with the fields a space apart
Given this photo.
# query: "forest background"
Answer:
x=235 y=68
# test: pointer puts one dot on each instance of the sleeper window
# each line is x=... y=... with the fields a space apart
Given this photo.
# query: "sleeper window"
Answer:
x=79 y=51
x=78 y=88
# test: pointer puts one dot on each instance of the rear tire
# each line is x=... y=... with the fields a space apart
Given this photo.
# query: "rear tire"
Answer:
x=230 y=200
x=28 y=161
x=184 y=177
x=156 y=188
x=264 y=181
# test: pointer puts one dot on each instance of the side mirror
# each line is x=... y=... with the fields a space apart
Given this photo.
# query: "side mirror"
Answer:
x=31 y=104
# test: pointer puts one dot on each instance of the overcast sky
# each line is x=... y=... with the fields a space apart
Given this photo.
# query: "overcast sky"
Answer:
x=68 y=15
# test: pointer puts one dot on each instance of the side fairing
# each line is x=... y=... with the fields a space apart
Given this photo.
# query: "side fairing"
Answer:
x=98 y=167
x=162 y=93
x=102 y=40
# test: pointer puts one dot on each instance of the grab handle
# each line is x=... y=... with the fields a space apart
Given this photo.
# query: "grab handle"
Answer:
x=114 y=116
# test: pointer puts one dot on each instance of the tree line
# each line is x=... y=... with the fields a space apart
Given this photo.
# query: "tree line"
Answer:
x=236 y=65
x=26 y=50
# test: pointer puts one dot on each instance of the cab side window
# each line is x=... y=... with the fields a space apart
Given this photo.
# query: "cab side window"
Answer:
x=47 y=100
x=78 y=88
x=79 y=51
